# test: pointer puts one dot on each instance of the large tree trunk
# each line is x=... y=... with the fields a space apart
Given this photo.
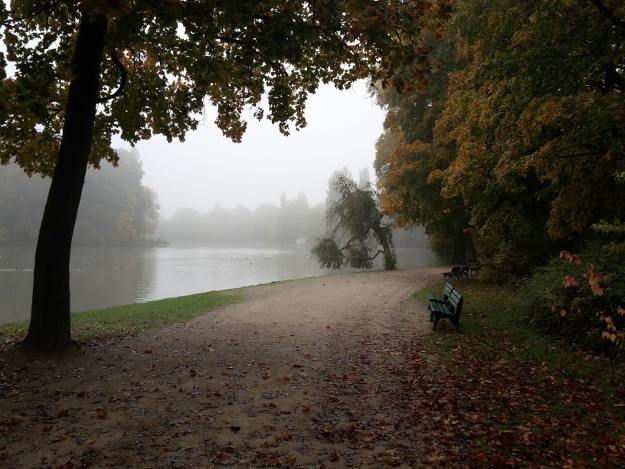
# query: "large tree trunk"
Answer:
x=460 y=250
x=390 y=260
x=50 y=314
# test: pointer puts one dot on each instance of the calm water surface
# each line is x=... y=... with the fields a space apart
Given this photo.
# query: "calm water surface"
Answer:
x=109 y=276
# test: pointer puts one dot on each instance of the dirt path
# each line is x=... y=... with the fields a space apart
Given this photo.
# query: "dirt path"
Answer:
x=302 y=373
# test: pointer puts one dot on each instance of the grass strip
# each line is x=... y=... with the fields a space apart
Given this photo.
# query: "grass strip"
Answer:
x=494 y=319
x=133 y=318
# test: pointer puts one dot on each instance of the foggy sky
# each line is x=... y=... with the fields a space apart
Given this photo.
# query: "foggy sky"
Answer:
x=209 y=169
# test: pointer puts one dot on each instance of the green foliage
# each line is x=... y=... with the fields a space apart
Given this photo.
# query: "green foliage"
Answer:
x=612 y=232
x=537 y=107
x=574 y=299
x=328 y=254
x=510 y=241
x=517 y=135
x=355 y=211
x=165 y=60
x=407 y=153
x=358 y=255
x=390 y=260
x=355 y=228
x=135 y=318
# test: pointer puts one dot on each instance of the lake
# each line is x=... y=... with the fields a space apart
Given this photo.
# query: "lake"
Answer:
x=110 y=276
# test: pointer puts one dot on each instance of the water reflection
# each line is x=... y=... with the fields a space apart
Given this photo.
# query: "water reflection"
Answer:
x=108 y=276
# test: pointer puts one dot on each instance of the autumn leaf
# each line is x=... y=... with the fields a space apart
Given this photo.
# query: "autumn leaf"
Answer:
x=594 y=280
x=570 y=258
x=569 y=281
x=609 y=323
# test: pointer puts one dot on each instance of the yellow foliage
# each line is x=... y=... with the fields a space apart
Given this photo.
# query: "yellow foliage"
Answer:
x=594 y=280
x=523 y=37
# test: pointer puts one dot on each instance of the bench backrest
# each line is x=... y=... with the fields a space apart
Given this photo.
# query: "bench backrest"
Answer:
x=448 y=289
x=455 y=300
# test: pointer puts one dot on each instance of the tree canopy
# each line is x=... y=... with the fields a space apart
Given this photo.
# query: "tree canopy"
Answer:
x=518 y=137
x=166 y=60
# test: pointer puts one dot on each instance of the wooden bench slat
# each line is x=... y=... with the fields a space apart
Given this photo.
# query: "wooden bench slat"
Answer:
x=433 y=296
x=440 y=307
x=448 y=306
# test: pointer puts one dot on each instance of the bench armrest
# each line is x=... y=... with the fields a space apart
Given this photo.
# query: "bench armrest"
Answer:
x=437 y=300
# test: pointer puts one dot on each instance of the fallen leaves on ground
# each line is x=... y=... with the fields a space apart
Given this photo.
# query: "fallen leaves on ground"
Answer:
x=379 y=400
x=506 y=411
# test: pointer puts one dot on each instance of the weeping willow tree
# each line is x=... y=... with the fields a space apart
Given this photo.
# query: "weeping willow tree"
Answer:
x=356 y=232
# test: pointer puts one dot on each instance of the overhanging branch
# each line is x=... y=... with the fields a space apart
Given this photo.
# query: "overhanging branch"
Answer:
x=122 y=82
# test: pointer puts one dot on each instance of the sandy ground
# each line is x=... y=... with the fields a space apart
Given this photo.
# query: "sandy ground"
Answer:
x=301 y=374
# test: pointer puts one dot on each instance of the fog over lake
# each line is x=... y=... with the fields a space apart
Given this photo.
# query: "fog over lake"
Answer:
x=109 y=276
x=232 y=213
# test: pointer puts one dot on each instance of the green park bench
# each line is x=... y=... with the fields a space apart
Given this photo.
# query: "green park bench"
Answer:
x=434 y=296
x=448 y=306
x=474 y=269
x=465 y=271
x=457 y=272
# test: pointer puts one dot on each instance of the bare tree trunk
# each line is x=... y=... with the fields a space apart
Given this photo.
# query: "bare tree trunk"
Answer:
x=385 y=240
x=50 y=314
x=460 y=250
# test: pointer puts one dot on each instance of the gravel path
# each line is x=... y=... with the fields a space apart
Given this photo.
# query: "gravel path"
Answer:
x=302 y=373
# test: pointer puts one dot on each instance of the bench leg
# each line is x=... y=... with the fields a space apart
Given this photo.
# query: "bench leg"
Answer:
x=431 y=314
x=436 y=319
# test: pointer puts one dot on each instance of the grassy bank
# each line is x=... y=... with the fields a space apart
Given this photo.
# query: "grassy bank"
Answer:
x=134 y=318
x=514 y=396
x=493 y=316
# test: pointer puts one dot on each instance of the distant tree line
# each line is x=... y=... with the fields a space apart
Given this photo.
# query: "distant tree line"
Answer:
x=282 y=223
x=269 y=223
x=116 y=207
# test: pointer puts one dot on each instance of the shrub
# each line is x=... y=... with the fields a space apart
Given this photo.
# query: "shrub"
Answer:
x=503 y=262
x=581 y=298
